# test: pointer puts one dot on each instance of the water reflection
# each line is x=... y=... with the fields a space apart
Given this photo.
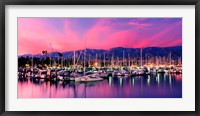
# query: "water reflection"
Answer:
x=149 y=86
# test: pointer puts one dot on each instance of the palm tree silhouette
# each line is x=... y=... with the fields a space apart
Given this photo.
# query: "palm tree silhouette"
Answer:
x=44 y=53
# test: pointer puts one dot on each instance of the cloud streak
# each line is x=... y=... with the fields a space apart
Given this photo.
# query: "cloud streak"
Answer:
x=67 y=34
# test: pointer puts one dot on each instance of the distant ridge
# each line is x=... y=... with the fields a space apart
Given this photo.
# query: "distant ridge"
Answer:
x=176 y=51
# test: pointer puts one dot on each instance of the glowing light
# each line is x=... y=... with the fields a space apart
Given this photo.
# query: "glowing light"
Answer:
x=148 y=80
x=133 y=82
x=27 y=65
x=164 y=77
x=120 y=81
x=170 y=80
x=110 y=81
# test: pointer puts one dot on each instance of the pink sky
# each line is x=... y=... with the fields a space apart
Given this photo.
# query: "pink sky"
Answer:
x=67 y=34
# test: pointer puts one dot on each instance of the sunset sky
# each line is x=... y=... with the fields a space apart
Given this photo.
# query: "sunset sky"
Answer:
x=67 y=34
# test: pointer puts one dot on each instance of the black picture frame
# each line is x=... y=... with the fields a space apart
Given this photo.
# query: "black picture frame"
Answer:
x=3 y=3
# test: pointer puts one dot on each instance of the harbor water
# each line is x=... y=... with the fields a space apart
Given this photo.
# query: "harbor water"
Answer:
x=149 y=86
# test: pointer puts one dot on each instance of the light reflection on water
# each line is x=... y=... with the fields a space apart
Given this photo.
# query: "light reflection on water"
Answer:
x=150 y=86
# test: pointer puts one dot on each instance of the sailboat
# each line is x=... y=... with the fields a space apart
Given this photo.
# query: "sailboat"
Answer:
x=75 y=76
x=88 y=78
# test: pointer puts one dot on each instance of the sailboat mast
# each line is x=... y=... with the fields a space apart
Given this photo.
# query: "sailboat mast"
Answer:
x=170 y=58
x=74 y=59
x=141 y=56
x=146 y=60
x=112 y=60
x=118 y=61
x=104 y=59
x=123 y=58
x=89 y=61
x=84 y=56
x=50 y=60
x=62 y=62
x=32 y=62
x=129 y=62
x=99 y=60
x=96 y=57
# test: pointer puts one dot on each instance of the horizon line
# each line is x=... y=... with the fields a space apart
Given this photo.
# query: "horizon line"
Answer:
x=102 y=49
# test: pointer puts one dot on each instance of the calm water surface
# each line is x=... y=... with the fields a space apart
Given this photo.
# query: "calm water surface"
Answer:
x=151 y=86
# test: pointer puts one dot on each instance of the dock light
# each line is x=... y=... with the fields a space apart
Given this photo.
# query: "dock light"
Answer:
x=96 y=63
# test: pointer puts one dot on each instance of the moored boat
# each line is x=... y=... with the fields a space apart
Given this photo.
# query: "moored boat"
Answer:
x=90 y=78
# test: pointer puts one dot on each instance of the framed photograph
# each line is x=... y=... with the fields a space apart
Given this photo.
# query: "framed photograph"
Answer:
x=126 y=57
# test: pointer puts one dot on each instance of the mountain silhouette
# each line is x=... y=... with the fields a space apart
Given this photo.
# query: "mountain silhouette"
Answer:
x=176 y=51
